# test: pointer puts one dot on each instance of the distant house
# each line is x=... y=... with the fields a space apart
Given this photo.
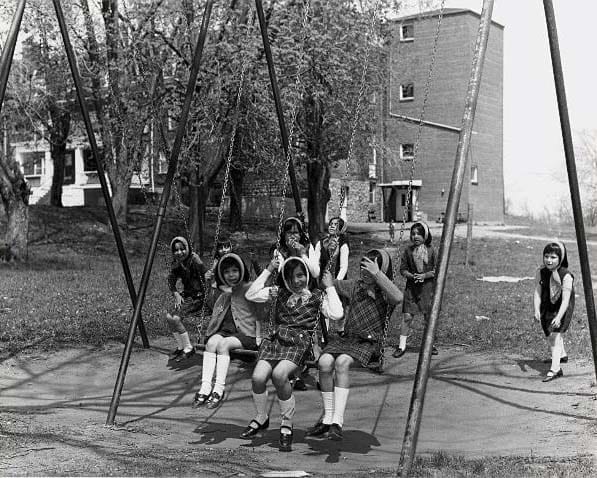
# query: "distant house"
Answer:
x=380 y=191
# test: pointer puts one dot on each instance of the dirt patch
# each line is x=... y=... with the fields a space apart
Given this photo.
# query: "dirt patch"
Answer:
x=54 y=407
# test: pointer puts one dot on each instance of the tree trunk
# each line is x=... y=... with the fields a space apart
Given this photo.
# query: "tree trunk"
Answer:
x=17 y=229
x=236 y=197
x=59 y=131
x=199 y=194
x=120 y=192
x=318 y=179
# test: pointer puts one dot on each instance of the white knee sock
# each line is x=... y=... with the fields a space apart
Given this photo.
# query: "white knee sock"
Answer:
x=556 y=352
x=287 y=409
x=186 y=342
x=209 y=365
x=340 y=399
x=402 y=344
x=223 y=361
x=260 y=401
x=328 y=407
x=179 y=345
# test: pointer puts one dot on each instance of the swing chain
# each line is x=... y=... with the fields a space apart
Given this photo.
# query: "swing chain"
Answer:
x=410 y=181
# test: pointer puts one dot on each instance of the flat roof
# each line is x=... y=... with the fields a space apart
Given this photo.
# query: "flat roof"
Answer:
x=447 y=12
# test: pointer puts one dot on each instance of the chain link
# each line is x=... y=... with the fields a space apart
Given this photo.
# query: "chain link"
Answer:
x=412 y=173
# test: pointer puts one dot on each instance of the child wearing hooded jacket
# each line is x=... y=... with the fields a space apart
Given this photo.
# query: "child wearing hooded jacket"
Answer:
x=234 y=324
x=297 y=306
x=190 y=270
x=368 y=301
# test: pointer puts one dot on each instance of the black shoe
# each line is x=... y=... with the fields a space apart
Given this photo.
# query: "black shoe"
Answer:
x=562 y=360
x=254 y=427
x=551 y=375
x=398 y=352
x=215 y=400
x=335 y=432
x=185 y=355
x=200 y=399
x=175 y=354
x=317 y=430
x=300 y=385
x=285 y=439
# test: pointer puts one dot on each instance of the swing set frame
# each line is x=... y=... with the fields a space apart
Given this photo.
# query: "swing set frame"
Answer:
x=422 y=373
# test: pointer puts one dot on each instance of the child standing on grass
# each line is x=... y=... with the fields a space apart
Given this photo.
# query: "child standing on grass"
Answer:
x=234 y=324
x=281 y=355
x=392 y=231
x=554 y=303
x=335 y=249
x=188 y=268
x=368 y=299
x=417 y=266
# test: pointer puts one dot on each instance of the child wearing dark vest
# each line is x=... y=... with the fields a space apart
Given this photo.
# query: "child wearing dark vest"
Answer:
x=298 y=303
x=553 y=301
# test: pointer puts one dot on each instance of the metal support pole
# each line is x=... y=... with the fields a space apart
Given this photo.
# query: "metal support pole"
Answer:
x=9 y=49
x=72 y=61
x=558 y=75
x=415 y=412
x=172 y=165
x=276 y=92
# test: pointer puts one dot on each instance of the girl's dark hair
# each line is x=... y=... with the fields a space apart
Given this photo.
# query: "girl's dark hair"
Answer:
x=286 y=275
x=222 y=243
x=376 y=256
x=341 y=222
x=554 y=248
x=231 y=261
x=288 y=224
x=418 y=227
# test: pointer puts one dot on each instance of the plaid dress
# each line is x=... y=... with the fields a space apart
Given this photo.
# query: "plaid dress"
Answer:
x=291 y=339
x=364 y=322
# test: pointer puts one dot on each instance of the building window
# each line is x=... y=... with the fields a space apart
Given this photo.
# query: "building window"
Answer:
x=69 y=167
x=407 y=32
x=407 y=151
x=162 y=164
x=373 y=165
x=407 y=92
x=474 y=175
x=371 y=193
x=33 y=163
x=89 y=164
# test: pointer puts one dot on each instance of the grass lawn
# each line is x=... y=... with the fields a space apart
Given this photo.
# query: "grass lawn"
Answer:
x=72 y=290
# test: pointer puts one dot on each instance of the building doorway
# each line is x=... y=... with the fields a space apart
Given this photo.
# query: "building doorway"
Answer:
x=395 y=200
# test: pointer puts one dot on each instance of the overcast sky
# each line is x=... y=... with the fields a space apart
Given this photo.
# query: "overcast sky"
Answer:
x=533 y=151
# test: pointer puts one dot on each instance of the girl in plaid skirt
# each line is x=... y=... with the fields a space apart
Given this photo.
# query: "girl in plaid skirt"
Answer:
x=369 y=298
x=297 y=306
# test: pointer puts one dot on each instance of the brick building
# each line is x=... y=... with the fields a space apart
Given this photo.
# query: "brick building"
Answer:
x=409 y=56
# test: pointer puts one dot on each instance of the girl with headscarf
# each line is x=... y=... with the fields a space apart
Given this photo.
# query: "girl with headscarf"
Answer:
x=298 y=303
x=294 y=242
x=369 y=298
x=554 y=303
x=417 y=266
x=187 y=268
x=234 y=325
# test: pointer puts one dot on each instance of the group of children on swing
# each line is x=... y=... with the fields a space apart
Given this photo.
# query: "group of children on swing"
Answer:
x=303 y=281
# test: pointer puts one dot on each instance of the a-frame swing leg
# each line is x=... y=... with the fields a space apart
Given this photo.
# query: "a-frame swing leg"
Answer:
x=415 y=412
x=581 y=239
x=172 y=165
x=5 y=64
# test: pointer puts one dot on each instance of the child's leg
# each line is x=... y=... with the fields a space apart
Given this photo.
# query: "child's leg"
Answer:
x=343 y=363
x=326 y=381
x=563 y=352
x=405 y=329
x=556 y=352
x=176 y=325
x=223 y=361
x=172 y=327
x=209 y=364
x=261 y=374
x=280 y=378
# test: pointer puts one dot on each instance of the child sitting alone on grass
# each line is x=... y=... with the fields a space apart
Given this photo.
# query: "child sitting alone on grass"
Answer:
x=234 y=325
x=554 y=303
x=188 y=268
x=417 y=266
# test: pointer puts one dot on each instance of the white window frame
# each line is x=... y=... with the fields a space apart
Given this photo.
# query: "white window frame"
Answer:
x=407 y=157
x=402 y=88
x=37 y=170
x=372 y=188
x=403 y=37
